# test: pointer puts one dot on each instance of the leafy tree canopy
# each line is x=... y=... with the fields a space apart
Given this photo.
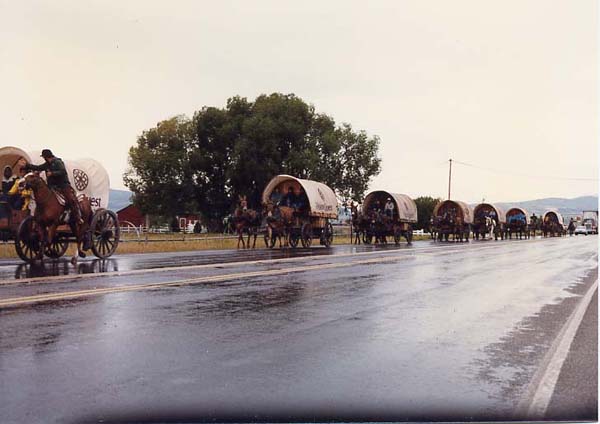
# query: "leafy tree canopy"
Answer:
x=202 y=164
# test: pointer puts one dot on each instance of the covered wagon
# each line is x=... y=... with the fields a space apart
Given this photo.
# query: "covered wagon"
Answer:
x=87 y=177
x=518 y=222
x=386 y=214
x=553 y=224
x=452 y=217
x=304 y=208
x=488 y=218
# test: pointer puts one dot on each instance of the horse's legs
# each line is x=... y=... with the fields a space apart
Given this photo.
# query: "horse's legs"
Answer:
x=42 y=233
x=240 y=238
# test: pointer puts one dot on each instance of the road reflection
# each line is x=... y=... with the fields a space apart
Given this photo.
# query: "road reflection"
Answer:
x=55 y=268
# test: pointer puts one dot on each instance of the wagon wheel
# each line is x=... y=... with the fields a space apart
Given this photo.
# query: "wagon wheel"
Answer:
x=105 y=233
x=57 y=247
x=328 y=234
x=306 y=235
x=27 y=241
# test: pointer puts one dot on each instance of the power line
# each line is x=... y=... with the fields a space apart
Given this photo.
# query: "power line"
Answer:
x=499 y=171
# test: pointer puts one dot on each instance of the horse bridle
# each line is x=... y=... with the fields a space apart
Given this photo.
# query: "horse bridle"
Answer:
x=45 y=199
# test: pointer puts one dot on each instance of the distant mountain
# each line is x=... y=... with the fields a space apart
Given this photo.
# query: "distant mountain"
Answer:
x=118 y=199
x=565 y=206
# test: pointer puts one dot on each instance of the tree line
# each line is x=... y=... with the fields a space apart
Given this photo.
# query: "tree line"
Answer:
x=200 y=165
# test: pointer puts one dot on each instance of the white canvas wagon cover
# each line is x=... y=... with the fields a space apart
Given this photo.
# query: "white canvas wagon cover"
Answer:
x=466 y=210
x=555 y=212
x=406 y=207
x=515 y=211
x=86 y=176
x=499 y=211
x=322 y=200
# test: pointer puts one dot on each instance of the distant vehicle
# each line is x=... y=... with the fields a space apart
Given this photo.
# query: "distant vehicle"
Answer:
x=590 y=220
x=582 y=229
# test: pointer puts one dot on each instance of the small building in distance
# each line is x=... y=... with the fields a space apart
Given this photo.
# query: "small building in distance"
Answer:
x=132 y=214
x=187 y=222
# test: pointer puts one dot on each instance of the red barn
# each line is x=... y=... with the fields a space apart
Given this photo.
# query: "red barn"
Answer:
x=131 y=214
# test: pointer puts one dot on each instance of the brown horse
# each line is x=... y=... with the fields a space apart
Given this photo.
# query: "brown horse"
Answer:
x=49 y=213
x=279 y=220
x=247 y=221
x=359 y=224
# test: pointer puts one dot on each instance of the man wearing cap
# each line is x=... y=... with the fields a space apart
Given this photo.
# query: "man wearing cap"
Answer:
x=57 y=178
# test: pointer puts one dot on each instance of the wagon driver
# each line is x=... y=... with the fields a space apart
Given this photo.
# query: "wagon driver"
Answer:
x=18 y=189
x=58 y=180
x=389 y=207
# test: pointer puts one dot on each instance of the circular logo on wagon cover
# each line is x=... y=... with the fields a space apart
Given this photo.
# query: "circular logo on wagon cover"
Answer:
x=81 y=179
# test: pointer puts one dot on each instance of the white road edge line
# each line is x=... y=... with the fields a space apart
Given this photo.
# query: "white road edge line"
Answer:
x=537 y=397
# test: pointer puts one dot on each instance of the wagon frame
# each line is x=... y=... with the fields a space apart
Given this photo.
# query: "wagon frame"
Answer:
x=553 y=224
x=314 y=221
x=21 y=227
x=479 y=220
x=398 y=226
x=443 y=228
x=519 y=227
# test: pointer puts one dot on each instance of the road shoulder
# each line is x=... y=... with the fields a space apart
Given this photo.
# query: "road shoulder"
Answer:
x=576 y=392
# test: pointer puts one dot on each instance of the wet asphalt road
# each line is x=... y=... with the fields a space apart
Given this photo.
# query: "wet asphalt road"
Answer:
x=427 y=332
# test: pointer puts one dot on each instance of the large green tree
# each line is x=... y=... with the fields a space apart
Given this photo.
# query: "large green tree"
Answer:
x=159 y=174
x=221 y=153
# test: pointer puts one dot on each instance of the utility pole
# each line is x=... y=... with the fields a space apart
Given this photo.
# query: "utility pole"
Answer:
x=449 y=179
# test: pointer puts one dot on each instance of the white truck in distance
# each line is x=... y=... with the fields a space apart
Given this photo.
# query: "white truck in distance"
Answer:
x=590 y=220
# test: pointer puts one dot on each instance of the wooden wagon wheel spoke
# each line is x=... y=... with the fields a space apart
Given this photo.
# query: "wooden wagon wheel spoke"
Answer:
x=105 y=229
x=27 y=243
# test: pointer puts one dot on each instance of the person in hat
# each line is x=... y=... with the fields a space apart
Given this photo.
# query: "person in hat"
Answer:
x=389 y=207
x=57 y=178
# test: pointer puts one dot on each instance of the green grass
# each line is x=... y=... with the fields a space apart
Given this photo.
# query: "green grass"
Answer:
x=156 y=243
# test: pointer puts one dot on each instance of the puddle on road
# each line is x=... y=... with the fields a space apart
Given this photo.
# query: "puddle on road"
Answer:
x=53 y=268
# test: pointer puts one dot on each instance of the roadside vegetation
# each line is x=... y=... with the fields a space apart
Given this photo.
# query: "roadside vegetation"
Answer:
x=178 y=242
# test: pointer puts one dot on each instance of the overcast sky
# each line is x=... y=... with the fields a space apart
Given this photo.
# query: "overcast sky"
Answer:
x=507 y=85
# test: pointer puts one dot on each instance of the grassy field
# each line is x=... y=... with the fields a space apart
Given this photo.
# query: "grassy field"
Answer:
x=155 y=243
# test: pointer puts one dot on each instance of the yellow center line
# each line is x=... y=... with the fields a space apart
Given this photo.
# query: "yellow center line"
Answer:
x=16 y=301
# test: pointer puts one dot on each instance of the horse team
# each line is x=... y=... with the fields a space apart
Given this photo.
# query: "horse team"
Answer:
x=457 y=221
x=302 y=215
x=382 y=217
